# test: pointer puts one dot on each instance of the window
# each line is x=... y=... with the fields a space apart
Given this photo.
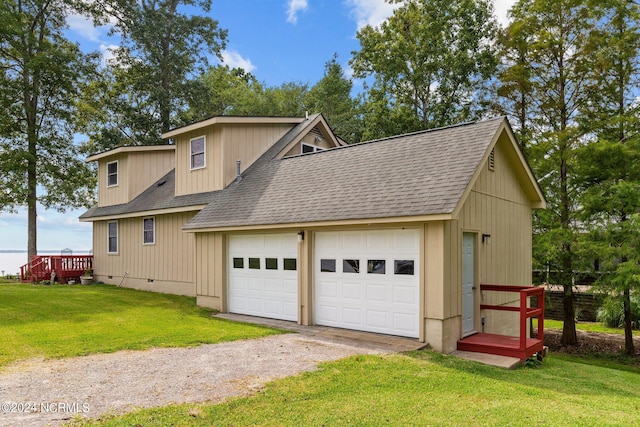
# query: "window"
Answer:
x=238 y=263
x=308 y=148
x=271 y=263
x=197 y=152
x=112 y=174
x=328 y=265
x=351 y=266
x=148 y=231
x=404 y=266
x=290 y=264
x=376 y=266
x=112 y=237
x=254 y=263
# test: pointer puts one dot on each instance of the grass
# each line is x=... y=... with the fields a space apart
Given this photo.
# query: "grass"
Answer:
x=421 y=388
x=586 y=326
x=62 y=321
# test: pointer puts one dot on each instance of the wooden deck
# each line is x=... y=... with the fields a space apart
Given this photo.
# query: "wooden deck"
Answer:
x=66 y=268
x=519 y=346
x=502 y=345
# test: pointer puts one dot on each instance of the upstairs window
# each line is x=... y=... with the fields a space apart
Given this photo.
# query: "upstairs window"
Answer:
x=148 y=231
x=112 y=174
x=197 y=152
x=309 y=148
x=112 y=237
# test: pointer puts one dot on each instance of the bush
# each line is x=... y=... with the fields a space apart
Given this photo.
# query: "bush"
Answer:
x=611 y=313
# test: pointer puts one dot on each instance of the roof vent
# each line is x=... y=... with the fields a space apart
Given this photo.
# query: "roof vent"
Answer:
x=492 y=159
x=238 y=175
x=161 y=183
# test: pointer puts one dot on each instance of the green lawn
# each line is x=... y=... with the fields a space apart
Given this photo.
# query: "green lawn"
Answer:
x=585 y=326
x=422 y=388
x=62 y=321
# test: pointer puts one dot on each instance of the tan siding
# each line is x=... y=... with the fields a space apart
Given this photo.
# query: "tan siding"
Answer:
x=145 y=168
x=224 y=145
x=498 y=206
x=170 y=262
x=108 y=196
x=246 y=143
x=206 y=179
x=136 y=172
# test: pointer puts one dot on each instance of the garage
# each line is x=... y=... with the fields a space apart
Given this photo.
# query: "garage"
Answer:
x=368 y=280
x=262 y=275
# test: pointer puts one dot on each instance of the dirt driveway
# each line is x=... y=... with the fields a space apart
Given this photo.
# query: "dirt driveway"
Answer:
x=50 y=392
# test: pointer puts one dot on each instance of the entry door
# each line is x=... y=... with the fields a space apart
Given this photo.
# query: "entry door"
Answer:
x=468 y=282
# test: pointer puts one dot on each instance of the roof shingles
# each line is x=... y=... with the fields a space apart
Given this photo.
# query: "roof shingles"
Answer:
x=417 y=174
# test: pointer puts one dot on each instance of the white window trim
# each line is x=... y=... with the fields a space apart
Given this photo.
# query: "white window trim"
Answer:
x=204 y=153
x=315 y=148
x=117 y=237
x=117 y=174
x=153 y=231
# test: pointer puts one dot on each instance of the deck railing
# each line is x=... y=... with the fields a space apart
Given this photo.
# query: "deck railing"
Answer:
x=525 y=311
x=66 y=267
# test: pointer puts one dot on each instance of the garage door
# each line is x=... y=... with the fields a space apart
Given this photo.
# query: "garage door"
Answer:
x=262 y=275
x=368 y=281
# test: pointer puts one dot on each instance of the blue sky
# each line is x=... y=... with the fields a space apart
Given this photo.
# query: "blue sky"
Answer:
x=277 y=40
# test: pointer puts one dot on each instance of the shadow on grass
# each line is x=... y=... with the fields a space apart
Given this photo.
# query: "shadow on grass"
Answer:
x=564 y=375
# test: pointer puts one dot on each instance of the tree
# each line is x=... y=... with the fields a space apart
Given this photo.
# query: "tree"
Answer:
x=231 y=91
x=153 y=77
x=558 y=55
x=332 y=97
x=434 y=58
x=610 y=165
x=41 y=74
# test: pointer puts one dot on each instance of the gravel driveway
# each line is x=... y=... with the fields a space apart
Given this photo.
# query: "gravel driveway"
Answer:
x=49 y=392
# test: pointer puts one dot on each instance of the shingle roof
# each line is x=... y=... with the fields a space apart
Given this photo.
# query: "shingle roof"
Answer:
x=161 y=195
x=422 y=173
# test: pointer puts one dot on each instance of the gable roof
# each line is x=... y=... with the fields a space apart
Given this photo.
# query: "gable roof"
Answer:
x=419 y=174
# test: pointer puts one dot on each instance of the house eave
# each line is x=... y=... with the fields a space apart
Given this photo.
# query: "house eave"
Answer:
x=323 y=224
x=140 y=214
x=136 y=149
x=231 y=120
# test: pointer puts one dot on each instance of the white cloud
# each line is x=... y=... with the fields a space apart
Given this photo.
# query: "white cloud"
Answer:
x=295 y=6
x=234 y=60
x=501 y=8
x=108 y=54
x=84 y=27
x=370 y=12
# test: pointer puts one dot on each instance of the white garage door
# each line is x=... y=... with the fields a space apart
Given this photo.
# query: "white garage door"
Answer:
x=262 y=275
x=368 y=281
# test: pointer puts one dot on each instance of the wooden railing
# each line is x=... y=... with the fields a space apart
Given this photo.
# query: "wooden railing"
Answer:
x=66 y=267
x=525 y=311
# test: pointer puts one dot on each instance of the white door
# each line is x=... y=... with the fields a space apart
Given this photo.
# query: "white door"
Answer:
x=262 y=275
x=368 y=281
x=468 y=282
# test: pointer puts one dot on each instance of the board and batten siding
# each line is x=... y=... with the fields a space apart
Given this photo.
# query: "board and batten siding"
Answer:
x=225 y=143
x=117 y=194
x=211 y=272
x=166 y=266
x=136 y=172
x=498 y=206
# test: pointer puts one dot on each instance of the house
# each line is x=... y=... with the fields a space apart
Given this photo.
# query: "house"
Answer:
x=279 y=218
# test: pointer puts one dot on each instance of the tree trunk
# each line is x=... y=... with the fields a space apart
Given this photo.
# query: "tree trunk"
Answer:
x=628 y=331
x=569 y=336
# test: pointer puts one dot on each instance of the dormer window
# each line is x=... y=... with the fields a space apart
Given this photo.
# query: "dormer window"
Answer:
x=198 y=152
x=309 y=148
x=112 y=174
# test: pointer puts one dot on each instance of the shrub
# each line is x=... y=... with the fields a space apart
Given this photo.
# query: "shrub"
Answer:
x=611 y=313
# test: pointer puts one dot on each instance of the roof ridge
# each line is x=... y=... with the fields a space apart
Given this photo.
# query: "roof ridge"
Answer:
x=388 y=138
